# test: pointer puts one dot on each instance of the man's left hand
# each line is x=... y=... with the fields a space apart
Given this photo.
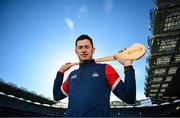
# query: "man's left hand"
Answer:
x=124 y=62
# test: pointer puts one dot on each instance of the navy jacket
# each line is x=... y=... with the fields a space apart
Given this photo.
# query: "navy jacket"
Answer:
x=88 y=89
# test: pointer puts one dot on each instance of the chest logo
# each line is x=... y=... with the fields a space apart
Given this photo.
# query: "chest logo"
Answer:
x=95 y=74
x=74 y=77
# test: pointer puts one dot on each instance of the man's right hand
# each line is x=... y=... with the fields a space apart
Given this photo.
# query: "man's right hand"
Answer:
x=65 y=67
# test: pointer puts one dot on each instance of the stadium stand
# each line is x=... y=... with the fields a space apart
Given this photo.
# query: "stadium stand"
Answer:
x=163 y=68
x=172 y=110
x=12 y=106
x=12 y=89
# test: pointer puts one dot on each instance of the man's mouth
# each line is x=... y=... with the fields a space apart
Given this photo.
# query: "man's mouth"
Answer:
x=84 y=55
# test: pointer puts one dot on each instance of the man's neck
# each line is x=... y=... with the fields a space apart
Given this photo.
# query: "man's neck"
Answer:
x=87 y=61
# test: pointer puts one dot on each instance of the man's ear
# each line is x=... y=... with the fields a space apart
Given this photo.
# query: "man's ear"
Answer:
x=94 y=50
x=75 y=50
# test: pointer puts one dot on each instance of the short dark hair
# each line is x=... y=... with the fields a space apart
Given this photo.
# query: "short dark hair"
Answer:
x=84 y=36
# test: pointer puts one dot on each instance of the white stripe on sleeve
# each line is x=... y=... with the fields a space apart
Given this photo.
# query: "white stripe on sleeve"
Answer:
x=115 y=83
x=63 y=91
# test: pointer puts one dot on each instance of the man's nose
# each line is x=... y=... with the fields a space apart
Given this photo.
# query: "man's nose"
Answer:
x=84 y=49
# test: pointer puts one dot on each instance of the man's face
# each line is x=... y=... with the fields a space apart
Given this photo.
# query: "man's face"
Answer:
x=84 y=50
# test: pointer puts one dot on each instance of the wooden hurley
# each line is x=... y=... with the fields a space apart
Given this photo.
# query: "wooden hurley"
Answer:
x=135 y=52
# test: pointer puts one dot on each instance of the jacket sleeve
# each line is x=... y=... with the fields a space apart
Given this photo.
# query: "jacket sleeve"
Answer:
x=58 y=88
x=126 y=90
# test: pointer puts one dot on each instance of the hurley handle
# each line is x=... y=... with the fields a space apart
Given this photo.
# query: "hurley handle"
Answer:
x=135 y=52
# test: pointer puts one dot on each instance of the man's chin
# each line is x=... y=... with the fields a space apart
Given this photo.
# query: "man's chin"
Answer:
x=85 y=59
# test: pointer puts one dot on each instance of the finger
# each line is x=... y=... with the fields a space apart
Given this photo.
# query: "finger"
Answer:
x=67 y=63
x=120 y=51
x=116 y=57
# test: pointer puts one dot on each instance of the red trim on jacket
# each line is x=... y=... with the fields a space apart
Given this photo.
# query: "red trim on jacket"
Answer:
x=65 y=86
x=111 y=75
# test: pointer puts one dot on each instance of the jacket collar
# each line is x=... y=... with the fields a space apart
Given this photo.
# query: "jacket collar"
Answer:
x=87 y=62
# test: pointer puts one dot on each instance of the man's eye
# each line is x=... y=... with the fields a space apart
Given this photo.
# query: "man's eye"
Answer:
x=86 y=46
x=80 y=47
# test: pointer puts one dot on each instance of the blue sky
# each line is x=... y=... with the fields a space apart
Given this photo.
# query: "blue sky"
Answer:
x=37 y=37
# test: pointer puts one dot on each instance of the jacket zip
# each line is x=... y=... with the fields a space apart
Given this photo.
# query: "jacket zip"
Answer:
x=81 y=73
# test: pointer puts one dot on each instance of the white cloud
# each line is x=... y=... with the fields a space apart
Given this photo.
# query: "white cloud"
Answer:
x=108 y=5
x=69 y=23
x=82 y=11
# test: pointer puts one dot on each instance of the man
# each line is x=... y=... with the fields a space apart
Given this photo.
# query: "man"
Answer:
x=88 y=88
